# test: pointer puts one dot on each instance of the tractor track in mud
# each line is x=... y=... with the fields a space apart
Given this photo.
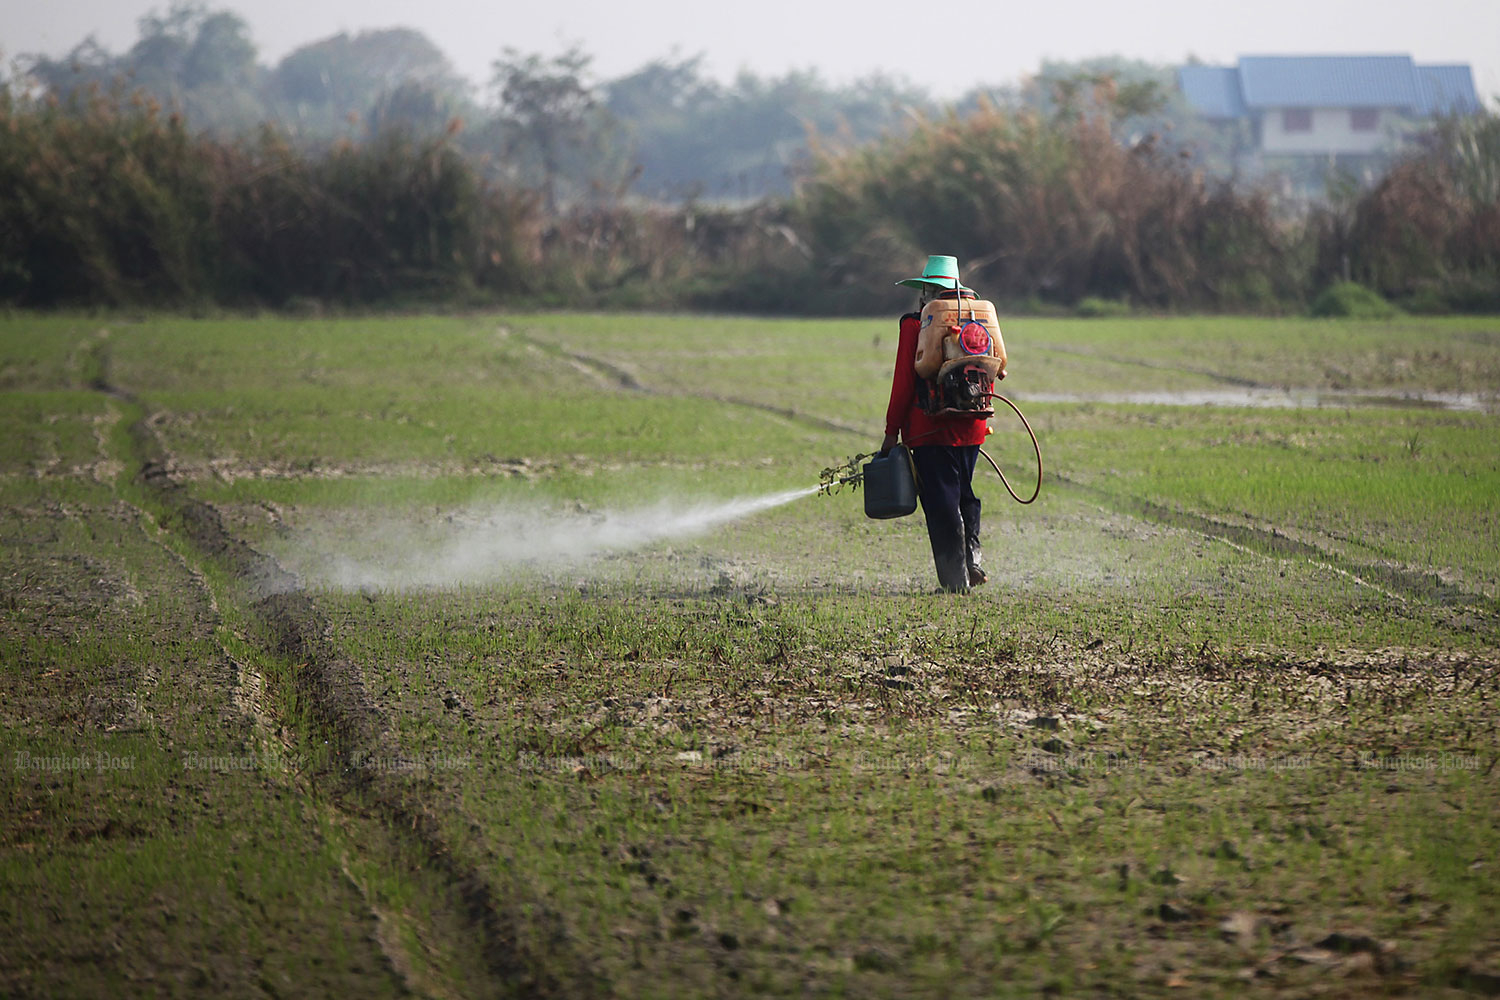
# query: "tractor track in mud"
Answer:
x=616 y=377
x=1393 y=580
x=1234 y=380
x=345 y=716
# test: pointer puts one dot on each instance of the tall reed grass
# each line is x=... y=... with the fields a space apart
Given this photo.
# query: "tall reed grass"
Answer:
x=1050 y=208
x=102 y=199
x=107 y=199
x=1428 y=234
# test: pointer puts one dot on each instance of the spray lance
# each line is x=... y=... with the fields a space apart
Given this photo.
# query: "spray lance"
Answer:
x=959 y=355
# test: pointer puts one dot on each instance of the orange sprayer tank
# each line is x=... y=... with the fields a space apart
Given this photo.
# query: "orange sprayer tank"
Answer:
x=940 y=346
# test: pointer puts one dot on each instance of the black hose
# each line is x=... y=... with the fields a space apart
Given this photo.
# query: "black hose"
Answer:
x=1027 y=424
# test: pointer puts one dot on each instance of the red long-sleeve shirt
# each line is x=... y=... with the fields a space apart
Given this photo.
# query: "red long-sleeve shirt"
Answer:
x=905 y=416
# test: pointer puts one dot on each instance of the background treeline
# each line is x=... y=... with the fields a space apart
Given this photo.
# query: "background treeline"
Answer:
x=664 y=131
x=360 y=171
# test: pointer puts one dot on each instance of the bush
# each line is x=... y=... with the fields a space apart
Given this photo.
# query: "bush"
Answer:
x=1429 y=232
x=1093 y=307
x=1351 y=300
x=1427 y=302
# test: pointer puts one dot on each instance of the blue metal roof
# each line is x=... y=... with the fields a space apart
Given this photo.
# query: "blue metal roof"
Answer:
x=1388 y=81
x=1213 y=90
x=1448 y=90
x=1329 y=82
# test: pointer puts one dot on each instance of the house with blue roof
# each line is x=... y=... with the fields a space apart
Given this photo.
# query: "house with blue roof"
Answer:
x=1328 y=106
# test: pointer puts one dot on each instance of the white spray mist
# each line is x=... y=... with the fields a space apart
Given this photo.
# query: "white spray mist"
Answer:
x=484 y=545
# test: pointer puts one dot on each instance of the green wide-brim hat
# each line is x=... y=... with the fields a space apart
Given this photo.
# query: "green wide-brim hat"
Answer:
x=941 y=272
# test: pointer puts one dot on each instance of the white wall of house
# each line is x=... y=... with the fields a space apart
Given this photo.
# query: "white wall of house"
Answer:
x=1331 y=130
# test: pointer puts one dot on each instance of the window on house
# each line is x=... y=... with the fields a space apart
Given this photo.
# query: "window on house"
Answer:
x=1364 y=119
x=1296 y=120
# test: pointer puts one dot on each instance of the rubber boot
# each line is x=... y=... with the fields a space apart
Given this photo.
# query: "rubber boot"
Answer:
x=946 y=534
x=950 y=508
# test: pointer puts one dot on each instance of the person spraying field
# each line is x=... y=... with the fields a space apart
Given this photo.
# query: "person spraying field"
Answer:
x=949 y=355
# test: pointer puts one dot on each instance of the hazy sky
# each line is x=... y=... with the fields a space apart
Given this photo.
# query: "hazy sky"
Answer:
x=945 y=47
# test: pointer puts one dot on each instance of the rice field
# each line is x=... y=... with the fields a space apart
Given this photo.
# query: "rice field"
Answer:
x=427 y=655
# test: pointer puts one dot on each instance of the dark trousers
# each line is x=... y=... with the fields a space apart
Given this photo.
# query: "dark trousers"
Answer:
x=945 y=485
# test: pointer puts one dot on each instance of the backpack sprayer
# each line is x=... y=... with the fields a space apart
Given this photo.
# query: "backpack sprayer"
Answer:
x=958 y=360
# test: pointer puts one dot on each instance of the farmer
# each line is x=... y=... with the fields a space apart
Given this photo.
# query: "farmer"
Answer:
x=943 y=449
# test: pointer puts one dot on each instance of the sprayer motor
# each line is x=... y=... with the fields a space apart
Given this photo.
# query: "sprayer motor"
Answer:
x=961 y=391
x=968 y=389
